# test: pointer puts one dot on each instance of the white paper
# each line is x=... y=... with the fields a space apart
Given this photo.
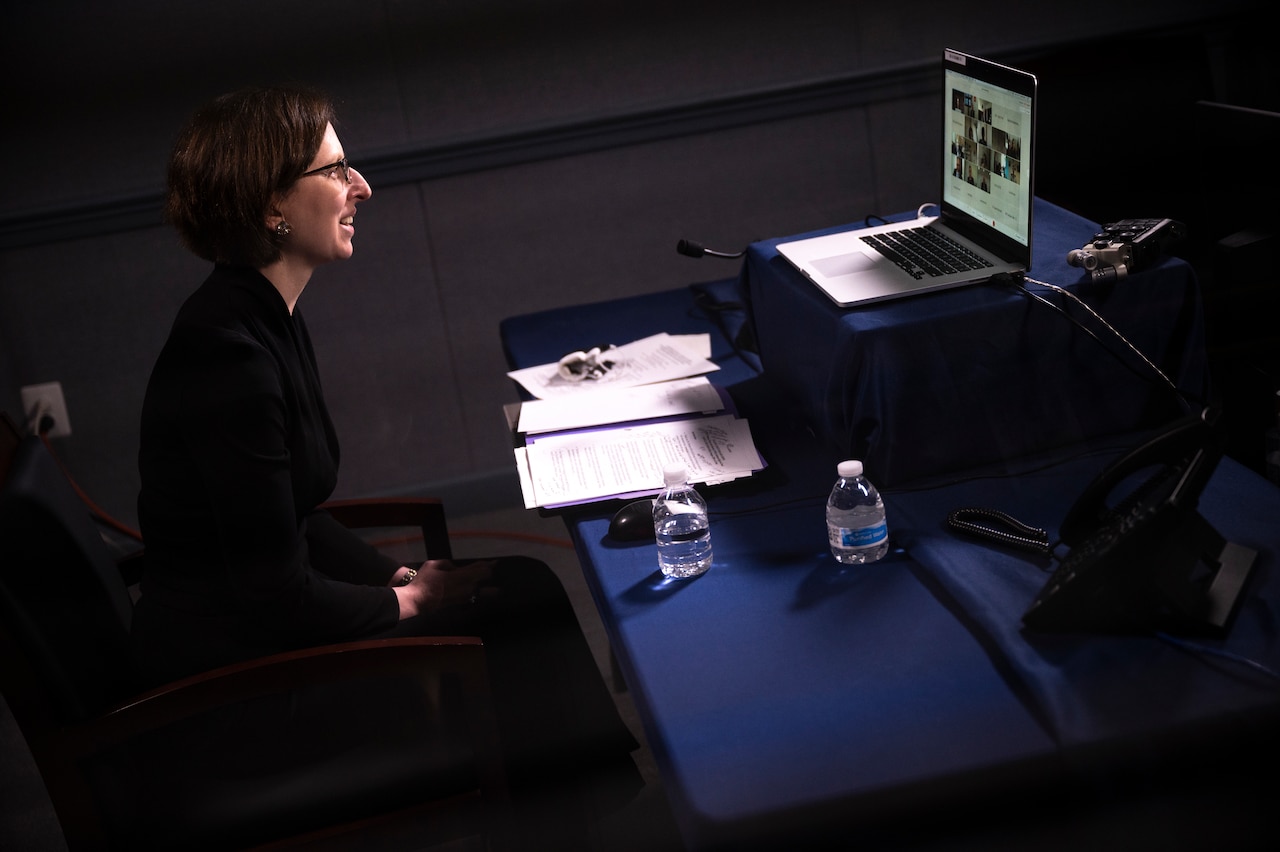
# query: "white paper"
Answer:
x=658 y=358
x=618 y=405
x=595 y=464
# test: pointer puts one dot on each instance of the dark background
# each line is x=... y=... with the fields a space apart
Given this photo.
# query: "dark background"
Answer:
x=528 y=155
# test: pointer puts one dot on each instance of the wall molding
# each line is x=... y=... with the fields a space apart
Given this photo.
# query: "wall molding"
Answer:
x=111 y=214
x=107 y=215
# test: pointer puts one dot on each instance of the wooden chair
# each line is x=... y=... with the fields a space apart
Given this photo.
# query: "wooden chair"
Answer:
x=168 y=767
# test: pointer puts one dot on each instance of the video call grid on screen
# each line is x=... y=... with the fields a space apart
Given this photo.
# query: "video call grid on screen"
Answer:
x=984 y=131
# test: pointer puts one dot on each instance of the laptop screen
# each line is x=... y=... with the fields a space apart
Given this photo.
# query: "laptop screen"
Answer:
x=988 y=123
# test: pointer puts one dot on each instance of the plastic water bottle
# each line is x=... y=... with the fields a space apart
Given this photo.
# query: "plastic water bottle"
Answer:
x=856 y=527
x=680 y=522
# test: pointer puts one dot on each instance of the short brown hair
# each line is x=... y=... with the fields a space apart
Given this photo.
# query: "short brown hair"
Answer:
x=229 y=160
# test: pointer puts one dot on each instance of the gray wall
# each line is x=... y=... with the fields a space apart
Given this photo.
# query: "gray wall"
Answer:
x=524 y=155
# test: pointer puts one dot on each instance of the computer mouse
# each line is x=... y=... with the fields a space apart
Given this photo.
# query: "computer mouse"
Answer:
x=633 y=522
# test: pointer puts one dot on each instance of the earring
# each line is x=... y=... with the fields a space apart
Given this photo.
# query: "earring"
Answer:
x=283 y=230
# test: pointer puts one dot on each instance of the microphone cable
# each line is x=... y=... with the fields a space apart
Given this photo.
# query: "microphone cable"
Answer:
x=1020 y=280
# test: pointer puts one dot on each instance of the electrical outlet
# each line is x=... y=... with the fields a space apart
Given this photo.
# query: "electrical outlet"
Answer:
x=46 y=399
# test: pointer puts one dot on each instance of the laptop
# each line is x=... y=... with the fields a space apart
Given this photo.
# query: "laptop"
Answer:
x=983 y=226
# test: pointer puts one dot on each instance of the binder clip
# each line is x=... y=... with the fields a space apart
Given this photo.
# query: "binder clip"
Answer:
x=588 y=365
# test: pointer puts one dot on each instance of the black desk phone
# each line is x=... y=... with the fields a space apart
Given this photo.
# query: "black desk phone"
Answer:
x=1150 y=561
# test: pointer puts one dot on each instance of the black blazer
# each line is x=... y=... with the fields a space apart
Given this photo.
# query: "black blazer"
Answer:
x=237 y=451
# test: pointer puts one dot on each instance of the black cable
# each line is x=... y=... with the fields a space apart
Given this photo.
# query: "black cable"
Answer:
x=1196 y=648
x=1020 y=281
x=711 y=308
x=711 y=305
x=982 y=523
x=99 y=514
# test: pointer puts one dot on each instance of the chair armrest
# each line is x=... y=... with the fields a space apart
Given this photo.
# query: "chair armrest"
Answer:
x=411 y=656
x=462 y=657
x=426 y=513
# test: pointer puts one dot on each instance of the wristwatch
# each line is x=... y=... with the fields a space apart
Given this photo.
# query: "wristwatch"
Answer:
x=408 y=577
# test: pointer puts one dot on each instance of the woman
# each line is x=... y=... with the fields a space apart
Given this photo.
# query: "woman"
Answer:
x=237 y=446
x=238 y=451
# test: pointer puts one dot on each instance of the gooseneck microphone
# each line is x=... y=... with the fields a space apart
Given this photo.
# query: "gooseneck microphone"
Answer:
x=691 y=249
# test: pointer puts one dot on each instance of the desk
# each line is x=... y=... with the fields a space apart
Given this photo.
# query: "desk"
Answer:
x=921 y=386
x=785 y=697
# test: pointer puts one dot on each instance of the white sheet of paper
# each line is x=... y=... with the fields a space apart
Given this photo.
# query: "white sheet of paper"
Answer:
x=658 y=358
x=621 y=460
x=618 y=405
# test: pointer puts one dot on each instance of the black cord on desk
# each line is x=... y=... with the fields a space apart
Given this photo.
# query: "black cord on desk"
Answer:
x=744 y=340
x=1197 y=648
x=994 y=525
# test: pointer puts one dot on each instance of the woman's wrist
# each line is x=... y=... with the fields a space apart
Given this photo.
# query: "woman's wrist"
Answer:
x=407 y=602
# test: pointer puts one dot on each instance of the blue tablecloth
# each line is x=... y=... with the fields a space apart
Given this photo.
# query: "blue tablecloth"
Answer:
x=782 y=691
x=953 y=380
x=1089 y=688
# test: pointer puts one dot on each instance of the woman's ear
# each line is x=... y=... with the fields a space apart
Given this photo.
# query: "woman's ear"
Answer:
x=274 y=217
x=276 y=223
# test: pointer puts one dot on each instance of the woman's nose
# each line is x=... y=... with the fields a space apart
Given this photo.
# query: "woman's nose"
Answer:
x=359 y=186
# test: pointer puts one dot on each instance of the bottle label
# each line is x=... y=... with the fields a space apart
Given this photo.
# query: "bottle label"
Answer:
x=863 y=536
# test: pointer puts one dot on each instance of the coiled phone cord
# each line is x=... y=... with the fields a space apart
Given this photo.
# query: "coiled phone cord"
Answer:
x=982 y=523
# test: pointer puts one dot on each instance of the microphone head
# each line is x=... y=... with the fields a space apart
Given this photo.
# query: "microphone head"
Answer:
x=690 y=248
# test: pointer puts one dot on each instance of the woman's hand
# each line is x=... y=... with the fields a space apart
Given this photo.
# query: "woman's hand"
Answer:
x=441 y=584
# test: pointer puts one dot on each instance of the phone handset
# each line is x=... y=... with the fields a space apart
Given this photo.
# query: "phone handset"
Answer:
x=1151 y=562
x=1173 y=446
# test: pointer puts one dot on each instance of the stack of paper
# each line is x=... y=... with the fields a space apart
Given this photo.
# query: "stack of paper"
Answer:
x=652 y=359
x=612 y=437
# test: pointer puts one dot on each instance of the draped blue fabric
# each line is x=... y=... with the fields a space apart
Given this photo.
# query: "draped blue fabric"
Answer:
x=947 y=381
x=1089 y=688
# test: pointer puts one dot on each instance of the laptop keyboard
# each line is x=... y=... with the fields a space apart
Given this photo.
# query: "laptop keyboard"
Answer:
x=925 y=252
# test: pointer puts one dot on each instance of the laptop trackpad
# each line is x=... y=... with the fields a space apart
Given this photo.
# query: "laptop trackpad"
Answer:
x=844 y=264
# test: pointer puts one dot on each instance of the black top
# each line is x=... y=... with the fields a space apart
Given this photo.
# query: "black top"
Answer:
x=237 y=451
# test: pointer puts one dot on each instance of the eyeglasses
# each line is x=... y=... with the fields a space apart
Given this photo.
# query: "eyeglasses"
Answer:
x=342 y=165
